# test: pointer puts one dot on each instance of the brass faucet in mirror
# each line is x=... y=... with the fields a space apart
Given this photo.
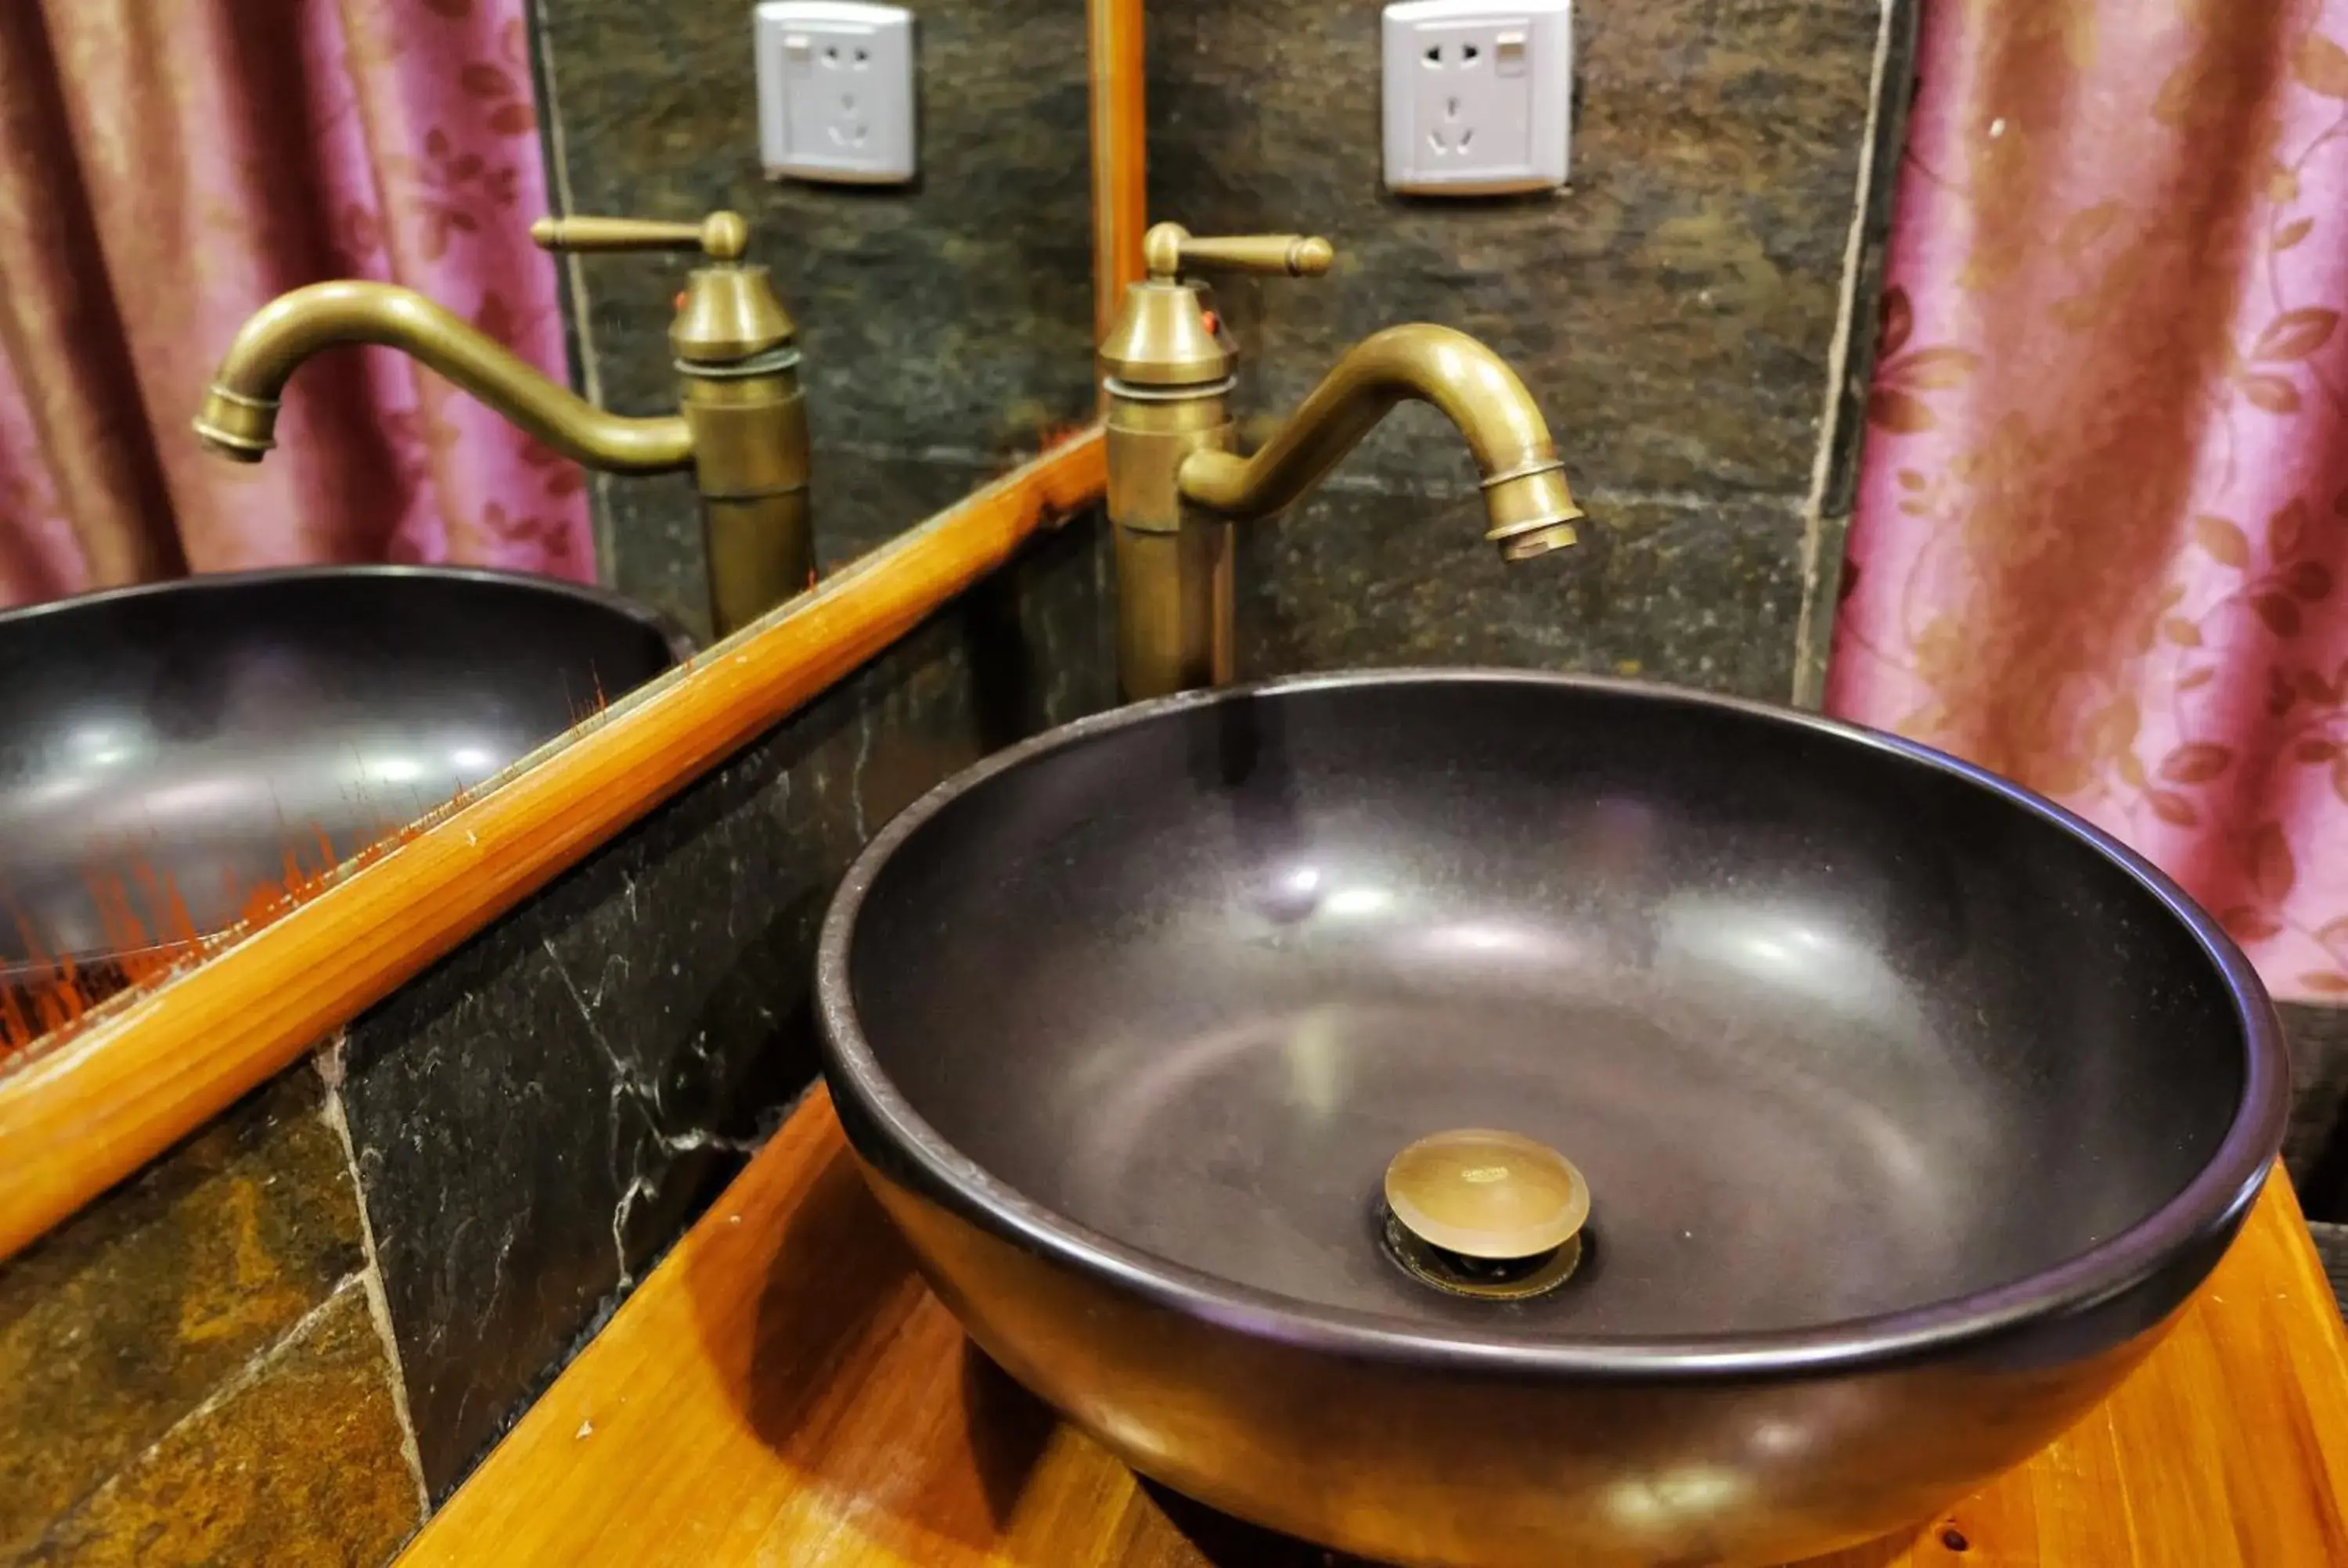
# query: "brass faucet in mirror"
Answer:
x=741 y=425
x=1176 y=486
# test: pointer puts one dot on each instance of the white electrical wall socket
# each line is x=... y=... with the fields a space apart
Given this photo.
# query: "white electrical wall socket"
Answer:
x=1478 y=96
x=835 y=91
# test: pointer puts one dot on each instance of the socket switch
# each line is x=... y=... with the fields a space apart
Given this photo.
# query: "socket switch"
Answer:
x=1478 y=96
x=835 y=91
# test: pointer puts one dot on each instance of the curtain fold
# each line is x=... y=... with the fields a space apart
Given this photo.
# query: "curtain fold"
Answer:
x=165 y=169
x=2102 y=515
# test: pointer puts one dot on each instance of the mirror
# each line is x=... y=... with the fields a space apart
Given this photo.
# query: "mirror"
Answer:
x=942 y=327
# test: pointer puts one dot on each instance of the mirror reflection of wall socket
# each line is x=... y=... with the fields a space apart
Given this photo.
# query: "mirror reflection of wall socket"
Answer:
x=1478 y=96
x=835 y=91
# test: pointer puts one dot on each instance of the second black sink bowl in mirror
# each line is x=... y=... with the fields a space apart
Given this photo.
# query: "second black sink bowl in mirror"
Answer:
x=164 y=749
x=1909 y=1106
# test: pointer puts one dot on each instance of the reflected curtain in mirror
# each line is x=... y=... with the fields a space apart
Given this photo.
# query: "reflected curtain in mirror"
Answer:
x=166 y=168
x=2103 y=519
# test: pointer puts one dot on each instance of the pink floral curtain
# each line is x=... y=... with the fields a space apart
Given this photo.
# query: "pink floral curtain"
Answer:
x=2103 y=520
x=165 y=169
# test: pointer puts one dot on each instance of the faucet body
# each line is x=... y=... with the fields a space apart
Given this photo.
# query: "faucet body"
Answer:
x=741 y=424
x=1177 y=486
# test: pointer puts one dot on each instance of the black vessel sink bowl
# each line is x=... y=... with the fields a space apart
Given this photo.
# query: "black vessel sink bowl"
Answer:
x=1910 y=1106
x=164 y=749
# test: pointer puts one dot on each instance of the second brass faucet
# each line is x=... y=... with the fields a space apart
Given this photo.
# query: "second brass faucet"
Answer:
x=1176 y=487
x=741 y=425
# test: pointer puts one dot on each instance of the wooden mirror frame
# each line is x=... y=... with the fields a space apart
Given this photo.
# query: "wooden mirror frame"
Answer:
x=151 y=1066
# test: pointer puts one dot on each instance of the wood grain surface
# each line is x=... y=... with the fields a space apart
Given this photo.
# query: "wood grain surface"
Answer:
x=783 y=1390
x=98 y=1107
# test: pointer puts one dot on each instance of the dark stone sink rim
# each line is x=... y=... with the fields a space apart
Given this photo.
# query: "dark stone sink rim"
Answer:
x=681 y=645
x=2205 y=1212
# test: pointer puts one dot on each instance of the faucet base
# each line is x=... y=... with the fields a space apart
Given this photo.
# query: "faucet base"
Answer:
x=761 y=552
x=1174 y=590
x=1174 y=619
x=749 y=429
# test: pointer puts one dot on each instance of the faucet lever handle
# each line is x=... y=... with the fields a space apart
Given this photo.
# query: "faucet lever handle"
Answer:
x=1169 y=248
x=721 y=236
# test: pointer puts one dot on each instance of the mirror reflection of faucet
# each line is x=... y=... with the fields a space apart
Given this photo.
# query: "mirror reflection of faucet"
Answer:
x=741 y=427
x=1176 y=486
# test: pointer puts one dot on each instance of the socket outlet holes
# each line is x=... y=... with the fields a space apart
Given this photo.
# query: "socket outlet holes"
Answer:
x=850 y=127
x=1477 y=96
x=835 y=91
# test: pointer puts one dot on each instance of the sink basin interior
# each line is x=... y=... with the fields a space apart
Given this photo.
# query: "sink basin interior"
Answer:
x=163 y=749
x=1833 y=1031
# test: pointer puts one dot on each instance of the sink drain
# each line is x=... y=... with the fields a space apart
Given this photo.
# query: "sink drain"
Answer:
x=1486 y=1279
x=1484 y=1214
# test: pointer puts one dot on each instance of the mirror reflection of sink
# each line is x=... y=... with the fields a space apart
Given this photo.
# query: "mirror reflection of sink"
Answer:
x=1908 y=1105
x=171 y=753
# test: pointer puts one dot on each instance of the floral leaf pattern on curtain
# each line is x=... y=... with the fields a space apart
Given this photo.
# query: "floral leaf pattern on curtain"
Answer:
x=2103 y=519
x=167 y=170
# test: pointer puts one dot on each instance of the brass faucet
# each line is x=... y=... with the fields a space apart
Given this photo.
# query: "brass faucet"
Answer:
x=742 y=428
x=1176 y=487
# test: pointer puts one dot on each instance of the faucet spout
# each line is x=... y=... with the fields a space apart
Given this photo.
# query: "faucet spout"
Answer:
x=238 y=419
x=1529 y=508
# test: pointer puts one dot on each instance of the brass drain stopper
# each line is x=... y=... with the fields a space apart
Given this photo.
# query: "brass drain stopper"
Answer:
x=1477 y=1212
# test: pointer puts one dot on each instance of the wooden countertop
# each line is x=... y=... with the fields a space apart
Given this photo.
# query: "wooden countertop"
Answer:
x=783 y=1390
